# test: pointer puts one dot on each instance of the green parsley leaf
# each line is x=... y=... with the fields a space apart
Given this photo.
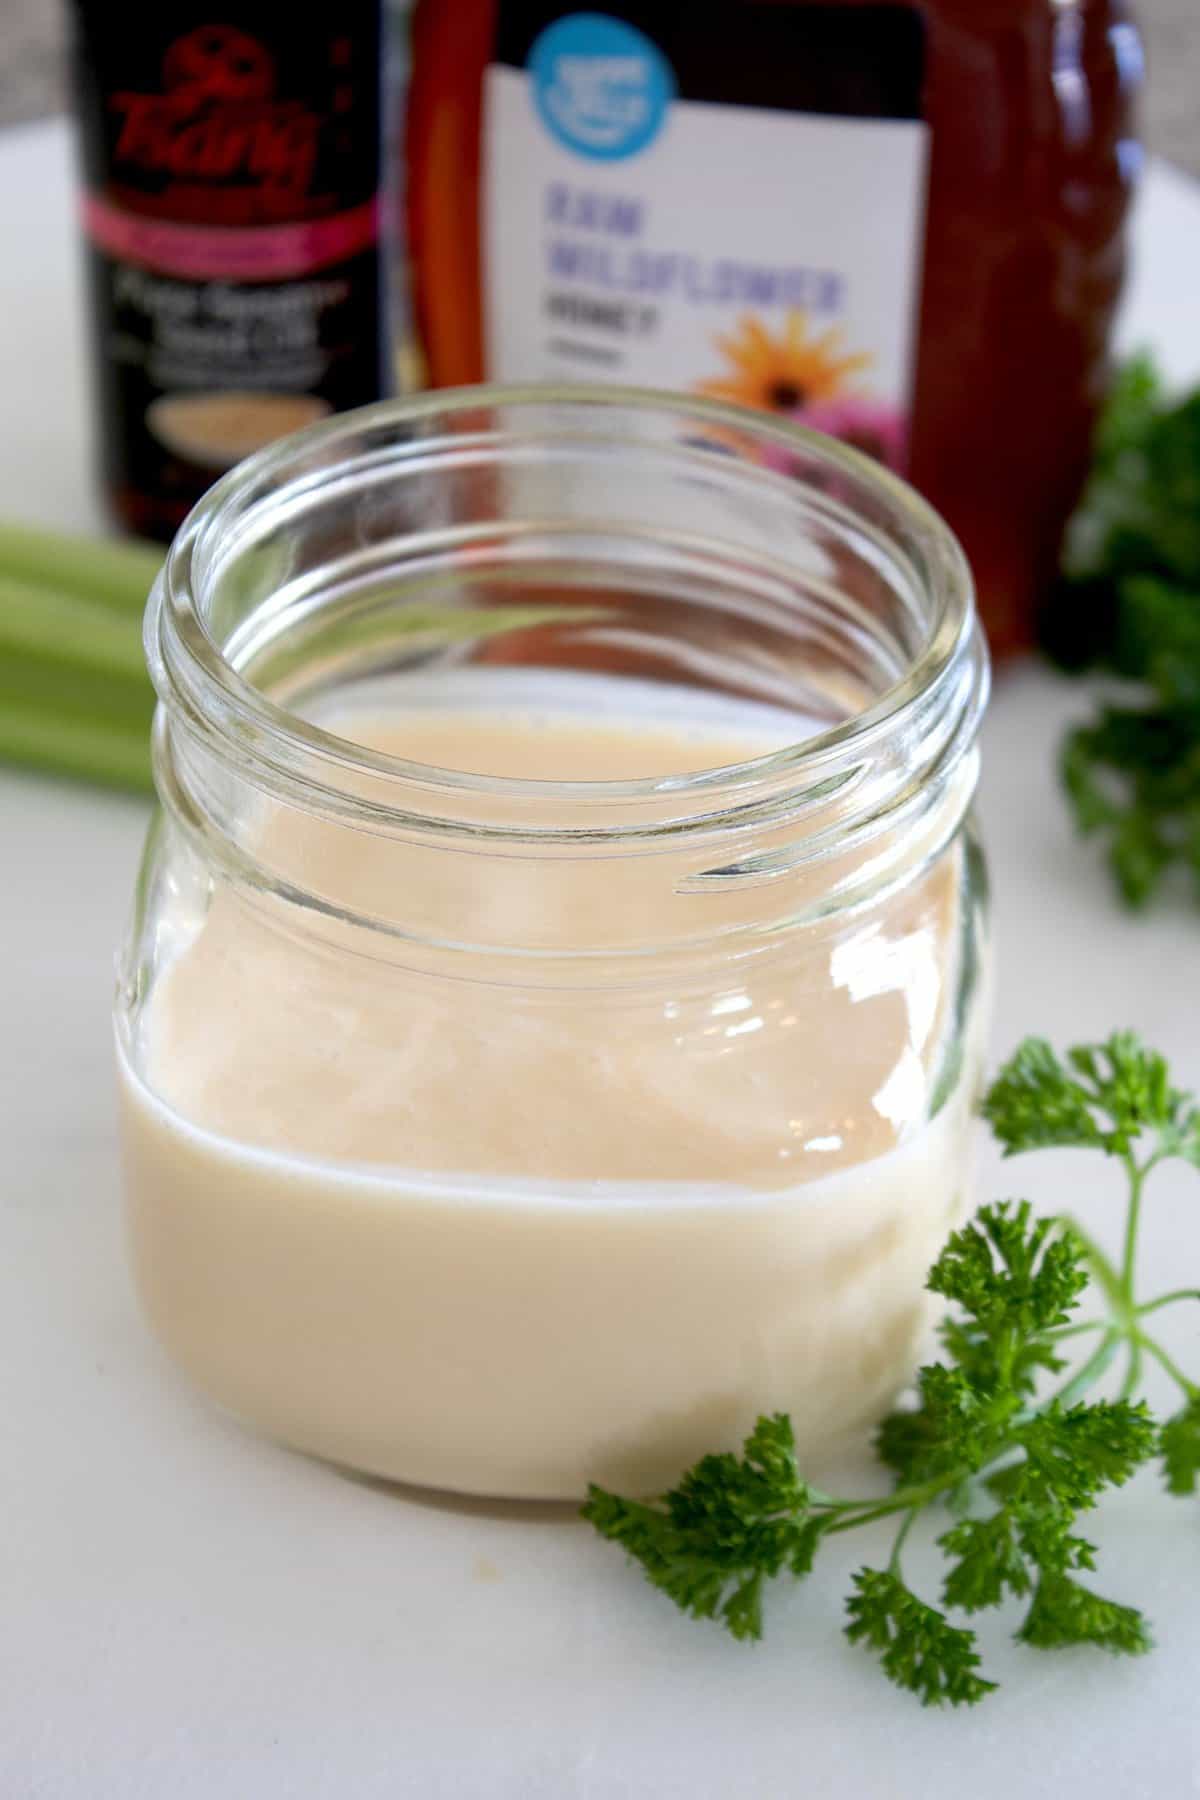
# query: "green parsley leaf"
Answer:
x=1107 y=1097
x=1181 y=1449
x=918 y=1648
x=951 y=1429
x=1064 y=1612
x=1034 y=1103
x=987 y=1562
x=1015 y=1279
x=1072 y=1455
x=1010 y=1271
x=909 y=1442
x=731 y=1523
x=1161 y=633
x=1130 y=602
x=1133 y=403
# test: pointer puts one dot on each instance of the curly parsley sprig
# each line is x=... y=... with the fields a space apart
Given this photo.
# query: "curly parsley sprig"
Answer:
x=1014 y=1466
x=1129 y=604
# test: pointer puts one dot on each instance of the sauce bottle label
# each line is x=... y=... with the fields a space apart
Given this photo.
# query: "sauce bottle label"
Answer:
x=231 y=212
x=728 y=200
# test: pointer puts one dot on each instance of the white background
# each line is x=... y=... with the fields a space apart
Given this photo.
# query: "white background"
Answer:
x=188 y=1613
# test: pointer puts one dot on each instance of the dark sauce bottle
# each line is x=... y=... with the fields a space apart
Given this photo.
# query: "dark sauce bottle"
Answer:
x=231 y=212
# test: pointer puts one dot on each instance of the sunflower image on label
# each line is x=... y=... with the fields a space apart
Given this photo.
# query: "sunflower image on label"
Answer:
x=732 y=206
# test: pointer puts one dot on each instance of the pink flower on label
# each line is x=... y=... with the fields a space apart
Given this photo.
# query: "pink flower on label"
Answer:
x=867 y=425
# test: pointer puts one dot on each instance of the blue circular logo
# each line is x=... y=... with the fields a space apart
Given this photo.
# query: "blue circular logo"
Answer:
x=600 y=86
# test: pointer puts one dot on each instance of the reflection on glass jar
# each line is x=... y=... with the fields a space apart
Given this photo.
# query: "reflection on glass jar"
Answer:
x=553 y=1007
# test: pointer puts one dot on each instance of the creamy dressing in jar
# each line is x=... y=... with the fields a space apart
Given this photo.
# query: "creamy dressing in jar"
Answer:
x=465 y=1241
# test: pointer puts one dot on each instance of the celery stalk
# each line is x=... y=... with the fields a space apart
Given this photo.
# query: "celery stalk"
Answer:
x=62 y=627
x=52 y=682
x=75 y=720
x=113 y=572
x=74 y=694
x=77 y=743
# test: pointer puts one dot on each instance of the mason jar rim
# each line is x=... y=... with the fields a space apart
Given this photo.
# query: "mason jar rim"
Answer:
x=189 y=664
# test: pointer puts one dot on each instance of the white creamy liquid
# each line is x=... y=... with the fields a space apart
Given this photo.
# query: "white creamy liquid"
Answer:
x=453 y=1235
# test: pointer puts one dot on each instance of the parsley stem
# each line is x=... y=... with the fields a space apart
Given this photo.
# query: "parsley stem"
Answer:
x=1152 y=1306
x=1133 y=1215
x=1092 y=1369
x=905 y=1499
x=1070 y=1331
x=898 y=1545
x=1101 y=1265
x=887 y=1509
x=1167 y=1362
x=1133 y=1372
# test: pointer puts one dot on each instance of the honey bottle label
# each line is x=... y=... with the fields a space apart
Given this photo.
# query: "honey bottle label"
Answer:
x=726 y=199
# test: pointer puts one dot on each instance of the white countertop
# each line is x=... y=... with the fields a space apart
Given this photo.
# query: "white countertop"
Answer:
x=188 y=1612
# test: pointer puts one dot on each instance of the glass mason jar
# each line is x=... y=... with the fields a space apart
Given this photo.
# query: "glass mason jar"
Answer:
x=552 y=1010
